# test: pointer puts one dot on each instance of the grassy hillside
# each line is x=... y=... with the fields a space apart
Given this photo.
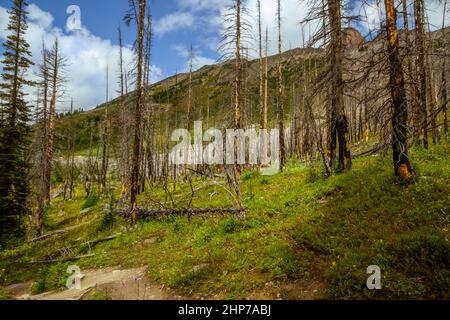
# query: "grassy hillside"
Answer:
x=303 y=236
x=211 y=90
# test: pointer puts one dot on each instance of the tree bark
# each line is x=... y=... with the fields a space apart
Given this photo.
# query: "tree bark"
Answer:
x=421 y=71
x=339 y=122
x=281 y=95
x=261 y=72
x=402 y=167
x=444 y=93
x=51 y=121
x=137 y=115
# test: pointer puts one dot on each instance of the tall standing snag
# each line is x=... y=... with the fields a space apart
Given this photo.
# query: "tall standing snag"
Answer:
x=137 y=115
x=339 y=122
x=280 y=94
x=55 y=64
x=409 y=64
x=419 y=17
x=261 y=76
x=398 y=93
x=188 y=111
x=238 y=82
x=444 y=93
x=105 y=141
x=124 y=120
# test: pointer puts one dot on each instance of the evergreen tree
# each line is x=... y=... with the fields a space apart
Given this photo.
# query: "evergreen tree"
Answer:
x=14 y=123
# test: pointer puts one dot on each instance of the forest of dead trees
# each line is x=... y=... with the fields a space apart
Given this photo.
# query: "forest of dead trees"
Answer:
x=384 y=90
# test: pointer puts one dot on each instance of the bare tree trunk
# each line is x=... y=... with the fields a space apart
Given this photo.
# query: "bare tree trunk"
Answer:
x=444 y=95
x=238 y=83
x=421 y=71
x=402 y=166
x=43 y=189
x=105 y=142
x=70 y=160
x=281 y=95
x=137 y=115
x=261 y=76
x=339 y=122
x=266 y=79
x=147 y=126
x=431 y=95
x=89 y=167
x=124 y=117
x=52 y=115
x=414 y=85
x=188 y=112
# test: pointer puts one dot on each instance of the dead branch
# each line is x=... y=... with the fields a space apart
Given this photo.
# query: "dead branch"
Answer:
x=157 y=213
x=65 y=259
x=56 y=232
x=89 y=243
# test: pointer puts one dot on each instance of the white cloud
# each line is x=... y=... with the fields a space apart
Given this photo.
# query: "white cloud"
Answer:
x=292 y=13
x=39 y=17
x=198 y=61
x=156 y=74
x=172 y=22
x=372 y=15
x=435 y=10
x=201 y=61
x=88 y=57
x=197 y=5
x=3 y=20
x=181 y=50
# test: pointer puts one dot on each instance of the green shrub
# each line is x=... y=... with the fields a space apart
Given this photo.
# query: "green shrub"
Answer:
x=247 y=175
x=279 y=259
x=231 y=225
x=90 y=201
x=108 y=218
x=58 y=173
x=50 y=278
x=313 y=174
x=4 y=295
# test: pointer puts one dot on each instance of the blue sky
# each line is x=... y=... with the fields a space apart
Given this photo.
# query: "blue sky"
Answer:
x=177 y=25
x=101 y=17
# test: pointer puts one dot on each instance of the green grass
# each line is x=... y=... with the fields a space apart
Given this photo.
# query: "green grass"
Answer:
x=372 y=219
x=4 y=295
x=299 y=227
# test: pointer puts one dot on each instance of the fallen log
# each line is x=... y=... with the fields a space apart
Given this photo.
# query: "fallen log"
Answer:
x=45 y=236
x=158 y=213
x=88 y=243
x=65 y=259
x=56 y=232
x=370 y=152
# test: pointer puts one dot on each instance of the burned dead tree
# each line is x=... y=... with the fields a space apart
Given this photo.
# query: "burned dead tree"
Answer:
x=137 y=13
x=419 y=18
x=402 y=165
x=339 y=121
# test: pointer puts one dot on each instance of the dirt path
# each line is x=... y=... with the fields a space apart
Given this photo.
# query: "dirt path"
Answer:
x=130 y=284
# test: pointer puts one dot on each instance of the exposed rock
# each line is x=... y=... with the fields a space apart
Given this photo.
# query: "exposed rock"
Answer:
x=149 y=241
x=352 y=38
x=200 y=267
